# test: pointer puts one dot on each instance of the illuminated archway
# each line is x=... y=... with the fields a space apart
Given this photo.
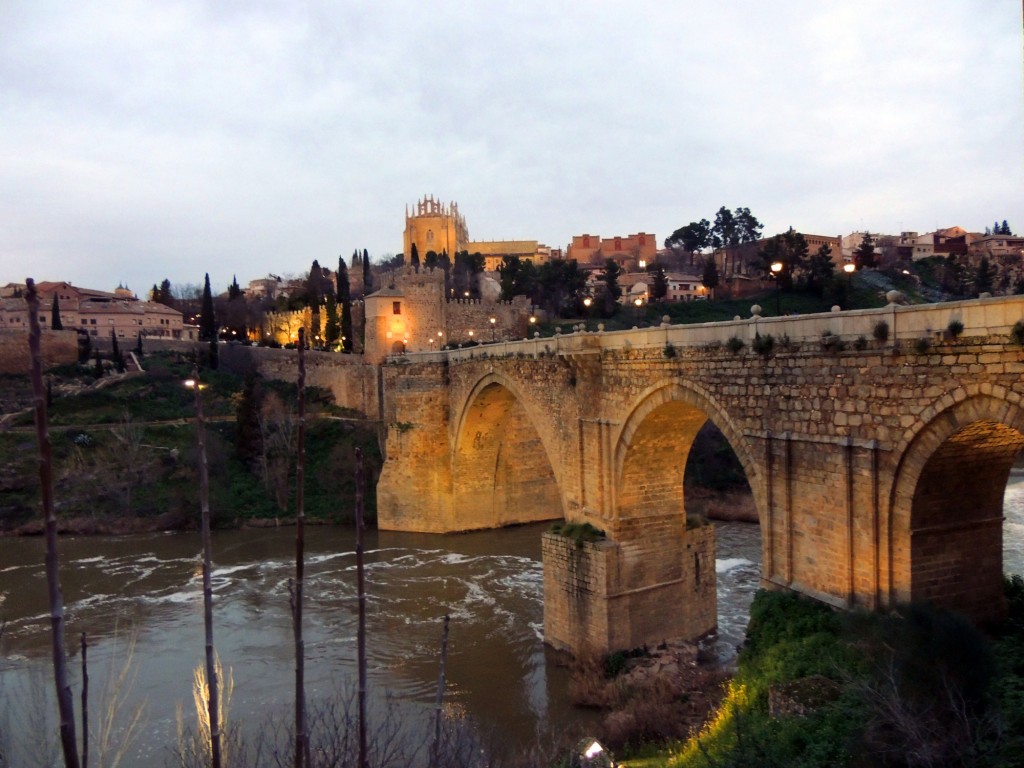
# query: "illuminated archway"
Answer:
x=653 y=446
x=501 y=471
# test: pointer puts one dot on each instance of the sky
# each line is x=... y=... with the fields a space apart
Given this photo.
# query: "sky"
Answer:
x=142 y=141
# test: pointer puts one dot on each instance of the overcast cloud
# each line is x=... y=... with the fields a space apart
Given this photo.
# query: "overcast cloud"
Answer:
x=142 y=141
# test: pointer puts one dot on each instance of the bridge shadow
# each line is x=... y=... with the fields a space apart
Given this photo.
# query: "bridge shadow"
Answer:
x=949 y=509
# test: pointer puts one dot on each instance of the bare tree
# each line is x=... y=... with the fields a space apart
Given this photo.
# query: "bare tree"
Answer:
x=204 y=502
x=439 y=702
x=277 y=438
x=301 y=740
x=65 y=705
x=361 y=589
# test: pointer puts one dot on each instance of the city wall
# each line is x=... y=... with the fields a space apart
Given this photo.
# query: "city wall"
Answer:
x=56 y=347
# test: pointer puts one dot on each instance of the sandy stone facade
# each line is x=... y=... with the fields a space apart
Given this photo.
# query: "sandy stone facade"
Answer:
x=877 y=467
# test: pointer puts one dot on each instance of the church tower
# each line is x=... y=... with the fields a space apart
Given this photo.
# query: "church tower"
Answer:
x=434 y=226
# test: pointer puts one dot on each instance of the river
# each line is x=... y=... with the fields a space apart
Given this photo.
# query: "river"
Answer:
x=500 y=674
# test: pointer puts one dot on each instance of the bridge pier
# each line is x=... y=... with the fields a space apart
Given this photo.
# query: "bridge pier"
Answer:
x=606 y=595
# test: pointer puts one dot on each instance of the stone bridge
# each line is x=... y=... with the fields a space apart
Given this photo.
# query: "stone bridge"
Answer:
x=877 y=462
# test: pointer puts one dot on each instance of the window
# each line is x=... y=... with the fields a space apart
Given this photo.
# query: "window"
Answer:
x=93 y=321
x=396 y=307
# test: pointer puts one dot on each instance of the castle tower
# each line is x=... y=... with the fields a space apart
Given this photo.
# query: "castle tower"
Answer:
x=434 y=226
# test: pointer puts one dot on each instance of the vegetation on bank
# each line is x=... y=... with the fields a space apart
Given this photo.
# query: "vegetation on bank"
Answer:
x=817 y=687
x=125 y=452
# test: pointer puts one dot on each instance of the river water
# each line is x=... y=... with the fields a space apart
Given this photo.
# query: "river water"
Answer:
x=500 y=674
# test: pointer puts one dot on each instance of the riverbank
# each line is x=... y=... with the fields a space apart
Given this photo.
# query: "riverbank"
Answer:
x=817 y=687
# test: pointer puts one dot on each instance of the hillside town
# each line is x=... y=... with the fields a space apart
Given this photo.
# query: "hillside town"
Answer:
x=460 y=291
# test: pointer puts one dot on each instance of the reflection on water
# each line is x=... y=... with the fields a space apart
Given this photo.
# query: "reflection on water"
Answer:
x=489 y=582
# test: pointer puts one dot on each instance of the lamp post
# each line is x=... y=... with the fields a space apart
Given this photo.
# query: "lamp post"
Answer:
x=470 y=335
x=777 y=274
x=492 y=321
x=638 y=302
x=849 y=268
x=587 y=301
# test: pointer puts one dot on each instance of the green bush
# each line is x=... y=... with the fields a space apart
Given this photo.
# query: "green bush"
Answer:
x=1017 y=333
x=880 y=331
x=763 y=345
x=734 y=344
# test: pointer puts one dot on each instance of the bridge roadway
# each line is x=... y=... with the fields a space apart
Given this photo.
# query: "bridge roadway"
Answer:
x=877 y=466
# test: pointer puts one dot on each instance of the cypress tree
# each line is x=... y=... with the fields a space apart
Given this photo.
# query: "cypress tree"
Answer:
x=115 y=353
x=207 y=323
x=414 y=259
x=345 y=301
x=367 y=277
x=165 y=293
x=55 y=323
x=331 y=327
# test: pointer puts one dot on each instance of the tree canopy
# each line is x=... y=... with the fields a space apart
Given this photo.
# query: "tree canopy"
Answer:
x=730 y=228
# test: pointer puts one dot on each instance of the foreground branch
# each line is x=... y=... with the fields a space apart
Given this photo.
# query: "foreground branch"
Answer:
x=60 y=665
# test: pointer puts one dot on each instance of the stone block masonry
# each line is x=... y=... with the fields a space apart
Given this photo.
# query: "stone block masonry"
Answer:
x=57 y=348
x=876 y=467
x=589 y=607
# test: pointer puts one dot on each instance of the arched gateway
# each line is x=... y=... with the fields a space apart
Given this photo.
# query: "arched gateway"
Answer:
x=877 y=470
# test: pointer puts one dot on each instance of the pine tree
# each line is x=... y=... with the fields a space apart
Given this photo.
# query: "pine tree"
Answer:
x=345 y=302
x=864 y=256
x=234 y=290
x=659 y=288
x=165 y=293
x=55 y=323
x=710 y=277
x=1006 y=228
x=207 y=322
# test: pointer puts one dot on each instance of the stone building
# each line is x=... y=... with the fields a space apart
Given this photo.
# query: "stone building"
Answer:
x=96 y=313
x=434 y=226
x=631 y=253
x=412 y=314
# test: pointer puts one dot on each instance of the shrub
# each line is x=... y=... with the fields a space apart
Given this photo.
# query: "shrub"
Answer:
x=922 y=345
x=669 y=351
x=861 y=343
x=831 y=342
x=881 y=331
x=1017 y=333
x=763 y=345
x=734 y=344
x=955 y=328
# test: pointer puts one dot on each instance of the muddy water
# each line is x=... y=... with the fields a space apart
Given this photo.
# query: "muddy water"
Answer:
x=500 y=675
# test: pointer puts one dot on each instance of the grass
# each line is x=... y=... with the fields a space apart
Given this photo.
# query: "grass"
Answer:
x=99 y=479
x=889 y=689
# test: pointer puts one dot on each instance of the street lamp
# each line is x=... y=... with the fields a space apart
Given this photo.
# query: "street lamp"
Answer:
x=849 y=268
x=638 y=302
x=777 y=274
x=493 y=320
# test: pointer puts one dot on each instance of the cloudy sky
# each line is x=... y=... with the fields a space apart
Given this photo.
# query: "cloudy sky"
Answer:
x=149 y=140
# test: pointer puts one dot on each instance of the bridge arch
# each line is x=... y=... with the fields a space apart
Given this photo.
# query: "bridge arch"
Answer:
x=946 y=503
x=502 y=471
x=652 y=446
